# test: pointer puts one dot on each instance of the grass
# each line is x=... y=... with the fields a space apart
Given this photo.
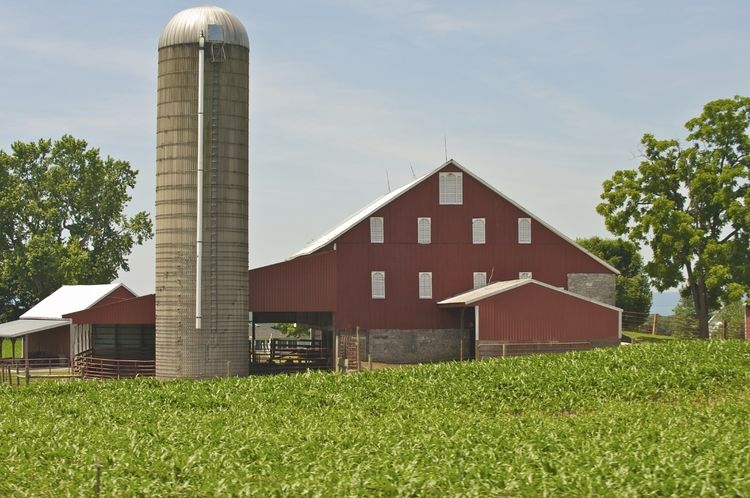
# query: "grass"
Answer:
x=644 y=337
x=8 y=348
x=653 y=419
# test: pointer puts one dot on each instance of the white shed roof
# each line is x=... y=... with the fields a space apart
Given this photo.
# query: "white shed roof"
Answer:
x=70 y=298
x=18 y=328
x=475 y=295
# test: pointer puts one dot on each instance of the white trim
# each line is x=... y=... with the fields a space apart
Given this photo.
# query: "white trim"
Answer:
x=356 y=218
x=428 y=238
x=525 y=274
x=619 y=325
x=479 y=236
x=428 y=275
x=524 y=230
x=377 y=230
x=451 y=198
x=372 y=284
x=474 y=279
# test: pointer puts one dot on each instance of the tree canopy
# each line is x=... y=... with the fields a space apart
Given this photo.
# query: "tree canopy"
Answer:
x=690 y=203
x=62 y=220
x=632 y=285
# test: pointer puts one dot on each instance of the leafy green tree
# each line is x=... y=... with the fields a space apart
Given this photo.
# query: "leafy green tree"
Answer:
x=691 y=205
x=633 y=289
x=733 y=315
x=684 y=323
x=297 y=330
x=62 y=220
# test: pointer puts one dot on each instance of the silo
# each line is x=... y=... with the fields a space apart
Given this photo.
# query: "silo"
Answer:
x=202 y=196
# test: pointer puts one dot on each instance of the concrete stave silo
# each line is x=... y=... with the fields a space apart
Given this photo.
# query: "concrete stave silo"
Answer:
x=202 y=333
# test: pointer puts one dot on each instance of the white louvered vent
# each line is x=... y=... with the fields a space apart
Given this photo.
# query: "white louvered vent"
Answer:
x=524 y=230
x=477 y=231
x=480 y=279
x=376 y=230
x=378 y=284
x=424 y=230
x=425 y=285
x=451 y=188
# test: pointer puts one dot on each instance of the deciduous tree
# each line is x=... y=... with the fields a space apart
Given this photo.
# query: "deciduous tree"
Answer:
x=633 y=289
x=62 y=220
x=690 y=203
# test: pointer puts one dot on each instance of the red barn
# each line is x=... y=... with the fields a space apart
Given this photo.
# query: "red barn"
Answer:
x=386 y=270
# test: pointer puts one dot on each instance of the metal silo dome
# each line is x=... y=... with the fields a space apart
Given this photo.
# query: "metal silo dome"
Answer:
x=189 y=23
x=202 y=196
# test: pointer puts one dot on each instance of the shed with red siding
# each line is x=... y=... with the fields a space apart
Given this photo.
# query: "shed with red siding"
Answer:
x=528 y=311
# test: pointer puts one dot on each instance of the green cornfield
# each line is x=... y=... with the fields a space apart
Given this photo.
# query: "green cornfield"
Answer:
x=655 y=419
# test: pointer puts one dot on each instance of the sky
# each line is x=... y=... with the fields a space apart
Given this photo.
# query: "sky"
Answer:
x=543 y=100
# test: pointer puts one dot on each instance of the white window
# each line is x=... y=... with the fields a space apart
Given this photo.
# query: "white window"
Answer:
x=480 y=279
x=376 y=230
x=378 y=284
x=451 y=188
x=524 y=230
x=524 y=274
x=425 y=285
x=477 y=231
x=424 y=230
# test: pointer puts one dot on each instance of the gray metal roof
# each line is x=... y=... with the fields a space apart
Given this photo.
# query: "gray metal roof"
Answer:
x=20 y=328
x=186 y=26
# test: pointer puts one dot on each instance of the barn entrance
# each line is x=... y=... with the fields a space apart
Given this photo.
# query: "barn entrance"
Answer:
x=291 y=342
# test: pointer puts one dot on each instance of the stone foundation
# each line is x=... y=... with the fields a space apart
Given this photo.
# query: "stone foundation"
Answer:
x=417 y=346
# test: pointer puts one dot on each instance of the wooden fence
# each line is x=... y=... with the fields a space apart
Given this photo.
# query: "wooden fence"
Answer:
x=86 y=366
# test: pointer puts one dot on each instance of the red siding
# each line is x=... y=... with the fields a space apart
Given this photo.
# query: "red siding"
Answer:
x=135 y=311
x=532 y=313
x=116 y=296
x=50 y=343
x=303 y=284
x=451 y=257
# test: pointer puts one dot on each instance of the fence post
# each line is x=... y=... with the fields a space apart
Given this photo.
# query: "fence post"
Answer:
x=336 y=365
x=653 y=324
x=369 y=361
x=359 y=358
x=504 y=351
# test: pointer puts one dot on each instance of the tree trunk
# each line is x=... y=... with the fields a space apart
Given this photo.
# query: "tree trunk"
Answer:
x=700 y=300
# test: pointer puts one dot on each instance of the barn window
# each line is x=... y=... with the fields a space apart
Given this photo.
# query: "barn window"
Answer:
x=524 y=274
x=425 y=285
x=480 y=279
x=378 y=284
x=376 y=230
x=524 y=230
x=424 y=230
x=451 y=188
x=477 y=231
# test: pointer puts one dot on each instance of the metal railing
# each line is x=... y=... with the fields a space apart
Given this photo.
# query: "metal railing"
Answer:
x=87 y=366
x=289 y=355
x=504 y=349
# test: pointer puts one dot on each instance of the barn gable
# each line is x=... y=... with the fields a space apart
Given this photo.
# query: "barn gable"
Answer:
x=361 y=217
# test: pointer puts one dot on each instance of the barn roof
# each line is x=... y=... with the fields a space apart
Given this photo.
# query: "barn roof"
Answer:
x=70 y=298
x=473 y=296
x=371 y=208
